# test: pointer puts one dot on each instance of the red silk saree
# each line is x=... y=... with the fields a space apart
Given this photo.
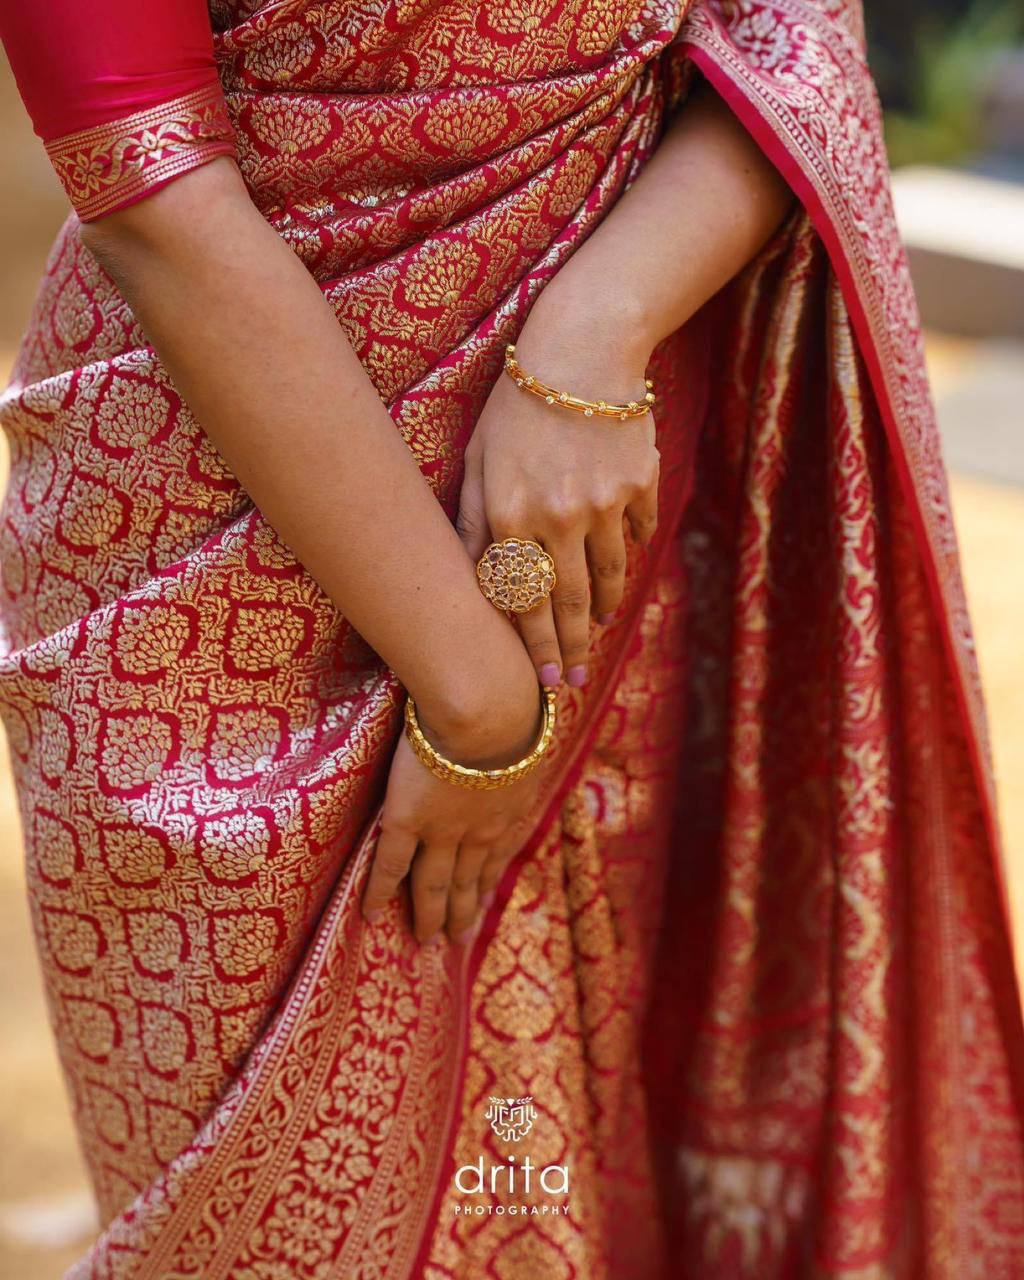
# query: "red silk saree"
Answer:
x=745 y=1002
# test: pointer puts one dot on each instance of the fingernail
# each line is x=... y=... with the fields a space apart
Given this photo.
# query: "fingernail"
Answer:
x=550 y=675
x=605 y=618
x=373 y=916
x=487 y=901
x=432 y=942
x=576 y=676
x=466 y=936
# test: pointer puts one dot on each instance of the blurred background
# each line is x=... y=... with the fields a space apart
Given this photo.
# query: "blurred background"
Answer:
x=951 y=77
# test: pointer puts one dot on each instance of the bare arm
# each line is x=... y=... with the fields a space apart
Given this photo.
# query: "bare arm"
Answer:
x=258 y=354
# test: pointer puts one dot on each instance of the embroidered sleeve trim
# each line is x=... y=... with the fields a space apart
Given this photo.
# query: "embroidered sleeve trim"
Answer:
x=115 y=164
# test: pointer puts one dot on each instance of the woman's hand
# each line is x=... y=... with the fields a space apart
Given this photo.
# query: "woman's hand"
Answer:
x=571 y=483
x=451 y=841
x=703 y=206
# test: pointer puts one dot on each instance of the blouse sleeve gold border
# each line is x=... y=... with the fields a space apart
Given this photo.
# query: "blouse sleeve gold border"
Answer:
x=115 y=164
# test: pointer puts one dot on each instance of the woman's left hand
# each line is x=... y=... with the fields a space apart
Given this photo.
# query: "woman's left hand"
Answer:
x=574 y=484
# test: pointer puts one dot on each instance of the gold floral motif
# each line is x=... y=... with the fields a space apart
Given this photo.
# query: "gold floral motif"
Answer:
x=133 y=856
x=243 y=944
x=59 y=854
x=290 y=127
x=457 y=129
x=283 y=54
x=166 y=1038
x=244 y=741
x=136 y=749
x=74 y=940
x=156 y=940
x=149 y=640
x=266 y=637
x=108 y=1115
x=441 y=277
x=91 y=1026
x=600 y=25
x=73 y=320
x=235 y=847
x=112 y=164
x=169 y=1128
x=93 y=513
x=124 y=421
x=55 y=755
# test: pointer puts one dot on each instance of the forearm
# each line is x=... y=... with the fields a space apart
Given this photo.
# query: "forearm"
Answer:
x=261 y=360
x=706 y=202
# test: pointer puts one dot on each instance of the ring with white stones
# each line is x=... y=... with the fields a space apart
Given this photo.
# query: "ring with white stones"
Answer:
x=516 y=574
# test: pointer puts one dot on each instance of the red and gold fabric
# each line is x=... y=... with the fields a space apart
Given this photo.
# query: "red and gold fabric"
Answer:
x=752 y=969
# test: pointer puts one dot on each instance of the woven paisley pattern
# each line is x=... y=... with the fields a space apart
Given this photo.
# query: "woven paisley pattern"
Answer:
x=752 y=968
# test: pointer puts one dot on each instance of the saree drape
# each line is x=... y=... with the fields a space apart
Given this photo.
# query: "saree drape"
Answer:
x=746 y=997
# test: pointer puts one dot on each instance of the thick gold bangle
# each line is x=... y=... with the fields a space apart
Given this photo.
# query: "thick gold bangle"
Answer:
x=602 y=408
x=482 y=779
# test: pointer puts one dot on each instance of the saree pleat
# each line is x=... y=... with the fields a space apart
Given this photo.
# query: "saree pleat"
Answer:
x=751 y=969
x=817 y=1080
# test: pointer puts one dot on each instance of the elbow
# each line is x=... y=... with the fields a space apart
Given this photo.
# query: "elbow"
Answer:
x=163 y=222
x=107 y=243
x=124 y=253
x=119 y=239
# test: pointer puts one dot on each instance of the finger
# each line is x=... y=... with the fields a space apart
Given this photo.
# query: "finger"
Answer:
x=464 y=893
x=499 y=855
x=606 y=555
x=570 y=602
x=391 y=861
x=642 y=514
x=537 y=629
x=431 y=877
x=471 y=521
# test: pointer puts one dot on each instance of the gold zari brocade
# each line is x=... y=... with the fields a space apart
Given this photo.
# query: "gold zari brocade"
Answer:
x=752 y=968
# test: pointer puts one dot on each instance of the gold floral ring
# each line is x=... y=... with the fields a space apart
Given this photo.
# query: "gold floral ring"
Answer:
x=516 y=574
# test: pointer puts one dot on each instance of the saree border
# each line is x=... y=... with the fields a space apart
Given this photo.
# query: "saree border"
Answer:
x=807 y=170
x=218 y=1146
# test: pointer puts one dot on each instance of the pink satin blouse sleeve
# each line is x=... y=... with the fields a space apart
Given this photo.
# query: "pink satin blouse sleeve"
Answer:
x=124 y=93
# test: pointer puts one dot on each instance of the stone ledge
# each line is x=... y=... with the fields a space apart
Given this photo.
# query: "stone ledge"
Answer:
x=965 y=239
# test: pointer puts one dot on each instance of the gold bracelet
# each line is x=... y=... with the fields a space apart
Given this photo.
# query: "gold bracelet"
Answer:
x=634 y=409
x=482 y=779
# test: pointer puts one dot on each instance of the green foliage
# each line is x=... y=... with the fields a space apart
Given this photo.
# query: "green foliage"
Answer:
x=952 y=60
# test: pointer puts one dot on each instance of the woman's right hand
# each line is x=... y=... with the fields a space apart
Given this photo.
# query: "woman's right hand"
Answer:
x=454 y=842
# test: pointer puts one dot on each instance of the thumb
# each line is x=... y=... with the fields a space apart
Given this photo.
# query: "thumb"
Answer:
x=471 y=522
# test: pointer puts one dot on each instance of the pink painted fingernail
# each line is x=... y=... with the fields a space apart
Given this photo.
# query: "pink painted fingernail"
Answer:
x=432 y=942
x=605 y=618
x=466 y=936
x=487 y=901
x=373 y=916
x=576 y=676
x=550 y=675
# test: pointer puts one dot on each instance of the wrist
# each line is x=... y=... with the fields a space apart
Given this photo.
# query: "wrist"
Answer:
x=488 y=718
x=598 y=331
